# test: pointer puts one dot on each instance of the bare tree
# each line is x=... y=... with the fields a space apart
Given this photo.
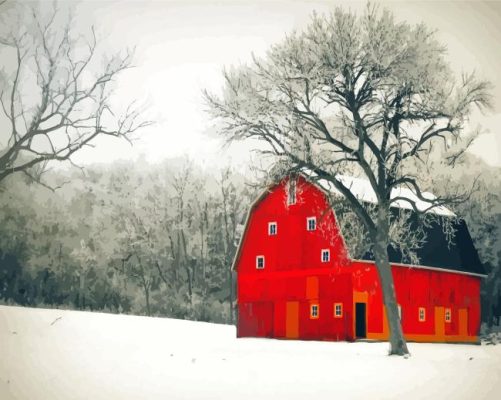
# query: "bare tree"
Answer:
x=179 y=245
x=200 y=207
x=363 y=94
x=56 y=96
x=229 y=205
x=86 y=260
x=140 y=263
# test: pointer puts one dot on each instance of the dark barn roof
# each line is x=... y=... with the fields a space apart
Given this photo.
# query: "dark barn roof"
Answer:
x=460 y=255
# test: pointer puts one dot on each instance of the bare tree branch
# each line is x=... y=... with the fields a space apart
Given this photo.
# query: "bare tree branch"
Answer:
x=70 y=112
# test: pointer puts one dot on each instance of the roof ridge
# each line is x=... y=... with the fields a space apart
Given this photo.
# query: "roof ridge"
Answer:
x=362 y=189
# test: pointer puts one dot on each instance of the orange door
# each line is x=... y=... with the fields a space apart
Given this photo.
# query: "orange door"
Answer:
x=440 y=323
x=292 y=320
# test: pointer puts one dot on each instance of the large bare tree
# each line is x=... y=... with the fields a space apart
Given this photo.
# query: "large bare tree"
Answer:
x=359 y=93
x=54 y=90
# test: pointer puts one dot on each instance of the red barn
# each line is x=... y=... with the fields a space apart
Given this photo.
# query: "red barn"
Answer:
x=296 y=280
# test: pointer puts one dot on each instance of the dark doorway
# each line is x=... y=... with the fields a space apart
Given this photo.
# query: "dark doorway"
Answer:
x=360 y=328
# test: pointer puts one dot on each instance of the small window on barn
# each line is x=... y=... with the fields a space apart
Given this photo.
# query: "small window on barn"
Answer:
x=422 y=314
x=314 y=311
x=338 y=310
x=448 y=315
x=399 y=312
x=260 y=262
x=311 y=223
x=272 y=228
x=291 y=192
x=326 y=255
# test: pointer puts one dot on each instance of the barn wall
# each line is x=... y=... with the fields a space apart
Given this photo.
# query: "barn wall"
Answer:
x=294 y=276
x=293 y=247
x=275 y=301
x=433 y=290
x=272 y=291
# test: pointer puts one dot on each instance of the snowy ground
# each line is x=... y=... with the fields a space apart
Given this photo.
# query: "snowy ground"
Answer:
x=54 y=354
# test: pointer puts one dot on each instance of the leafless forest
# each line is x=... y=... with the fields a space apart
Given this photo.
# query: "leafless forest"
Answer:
x=159 y=239
x=142 y=239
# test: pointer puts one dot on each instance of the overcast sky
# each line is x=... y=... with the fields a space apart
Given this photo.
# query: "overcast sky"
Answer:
x=181 y=48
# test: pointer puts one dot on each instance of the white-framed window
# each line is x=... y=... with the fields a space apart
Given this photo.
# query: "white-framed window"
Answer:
x=314 y=311
x=272 y=228
x=422 y=314
x=448 y=315
x=291 y=192
x=399 y=312
x=338 y=310
x=259 y=262
x=311 y=223
x=325 y=255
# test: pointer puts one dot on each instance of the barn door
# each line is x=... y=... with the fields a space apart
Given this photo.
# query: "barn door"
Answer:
x=360 y=320
x=440 y=323
x=292 y=320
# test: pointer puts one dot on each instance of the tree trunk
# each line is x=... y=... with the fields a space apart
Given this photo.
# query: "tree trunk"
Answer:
x=190 y=287
x=81 y=291
x=185 y=262
x=230 y=282
x=398 y=345
x=202 y=258
x=147 y=297
x=489 y=314
x=161 y=275
x=175 y=260
x=146 y=286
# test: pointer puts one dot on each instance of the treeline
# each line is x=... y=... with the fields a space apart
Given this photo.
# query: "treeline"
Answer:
x=159 y=239
x=128 y=238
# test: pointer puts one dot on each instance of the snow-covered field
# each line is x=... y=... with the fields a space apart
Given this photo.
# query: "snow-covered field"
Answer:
x=54 y=354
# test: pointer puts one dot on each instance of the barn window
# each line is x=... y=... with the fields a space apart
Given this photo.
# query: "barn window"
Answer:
x=399 y=312
x=272 y=228
x=448 y=315
x=291 y=192
x=260 y=262
x=422 y=314
x=314 y=311
x=326 y=255
x=311 y=223
x=338 y=310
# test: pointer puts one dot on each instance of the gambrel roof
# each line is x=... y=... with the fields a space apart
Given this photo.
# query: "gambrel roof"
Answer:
x=460 y=256
x=363 y=190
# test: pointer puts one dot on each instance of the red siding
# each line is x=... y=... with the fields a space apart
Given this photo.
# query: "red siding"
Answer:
x=255 y=319
x=418 y=287
x=294 y=272
x=293 y=247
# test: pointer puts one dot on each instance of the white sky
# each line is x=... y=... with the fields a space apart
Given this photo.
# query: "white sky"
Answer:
x=181 y=48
